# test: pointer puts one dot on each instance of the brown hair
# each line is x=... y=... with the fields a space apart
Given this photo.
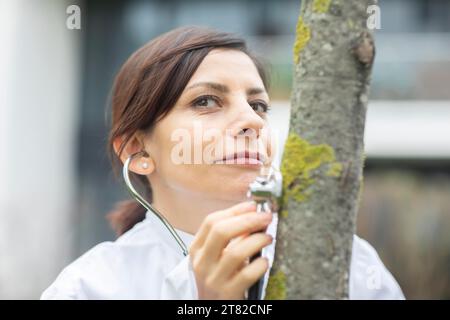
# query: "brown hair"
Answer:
x=147 y=87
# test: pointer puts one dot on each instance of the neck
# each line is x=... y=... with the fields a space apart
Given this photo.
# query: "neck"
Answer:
x=185 y=211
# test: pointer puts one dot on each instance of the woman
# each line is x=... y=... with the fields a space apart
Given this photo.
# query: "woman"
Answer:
x=187 y=78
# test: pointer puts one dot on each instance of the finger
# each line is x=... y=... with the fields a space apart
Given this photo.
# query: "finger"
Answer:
x=213 y=218
x=225 y=230
x=232 y=260
x=250 y=274
x=235 y=242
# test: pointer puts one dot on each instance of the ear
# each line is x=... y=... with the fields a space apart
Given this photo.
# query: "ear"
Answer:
x=143 y=164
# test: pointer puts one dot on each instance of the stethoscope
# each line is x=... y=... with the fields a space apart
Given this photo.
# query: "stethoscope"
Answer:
x=265 y=190
x=147 y=205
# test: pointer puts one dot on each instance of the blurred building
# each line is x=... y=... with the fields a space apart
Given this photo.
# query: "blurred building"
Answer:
x=57 y=181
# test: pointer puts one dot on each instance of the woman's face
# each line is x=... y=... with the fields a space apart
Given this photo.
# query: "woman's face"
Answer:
x=224 y=96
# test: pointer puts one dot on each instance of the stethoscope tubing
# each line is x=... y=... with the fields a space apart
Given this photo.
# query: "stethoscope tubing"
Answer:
x=148 y=206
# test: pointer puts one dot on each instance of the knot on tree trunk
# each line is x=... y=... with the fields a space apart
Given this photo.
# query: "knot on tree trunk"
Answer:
x=364 y=49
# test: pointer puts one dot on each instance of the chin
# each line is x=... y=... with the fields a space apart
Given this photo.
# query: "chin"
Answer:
x=233 y=184
x=234 y=196
x=237 y=190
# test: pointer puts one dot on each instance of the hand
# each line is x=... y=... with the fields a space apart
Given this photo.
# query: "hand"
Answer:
x=220 y=265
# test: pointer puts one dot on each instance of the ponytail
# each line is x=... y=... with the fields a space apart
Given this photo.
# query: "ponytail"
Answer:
x=125 y=215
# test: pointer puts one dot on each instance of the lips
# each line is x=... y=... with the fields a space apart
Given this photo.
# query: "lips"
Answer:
x=243 y=157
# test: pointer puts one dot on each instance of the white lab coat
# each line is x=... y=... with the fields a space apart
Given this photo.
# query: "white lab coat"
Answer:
x=147 y=263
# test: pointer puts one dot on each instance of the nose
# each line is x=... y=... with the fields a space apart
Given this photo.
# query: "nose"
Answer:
x=247 y=123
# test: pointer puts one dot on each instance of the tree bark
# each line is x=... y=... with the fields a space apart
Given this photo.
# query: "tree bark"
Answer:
x=323 y=156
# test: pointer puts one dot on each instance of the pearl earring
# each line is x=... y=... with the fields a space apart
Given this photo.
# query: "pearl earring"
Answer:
x=145 y=165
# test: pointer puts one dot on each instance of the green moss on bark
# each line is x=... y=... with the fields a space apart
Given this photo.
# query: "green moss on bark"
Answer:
x=302 y=36
x=321 y=6
x=300 y=160
x=276 y=287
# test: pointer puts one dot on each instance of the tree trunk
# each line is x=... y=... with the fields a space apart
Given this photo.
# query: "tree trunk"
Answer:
x=323 y=155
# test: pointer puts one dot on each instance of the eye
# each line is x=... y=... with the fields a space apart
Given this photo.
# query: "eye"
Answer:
x=206 y=101
x=260 y=106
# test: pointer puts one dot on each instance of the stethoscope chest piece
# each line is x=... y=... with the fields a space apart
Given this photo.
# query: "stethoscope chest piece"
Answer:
x=266 y=191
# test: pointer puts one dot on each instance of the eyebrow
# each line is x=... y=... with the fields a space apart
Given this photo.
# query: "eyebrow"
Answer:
x=224 y=89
